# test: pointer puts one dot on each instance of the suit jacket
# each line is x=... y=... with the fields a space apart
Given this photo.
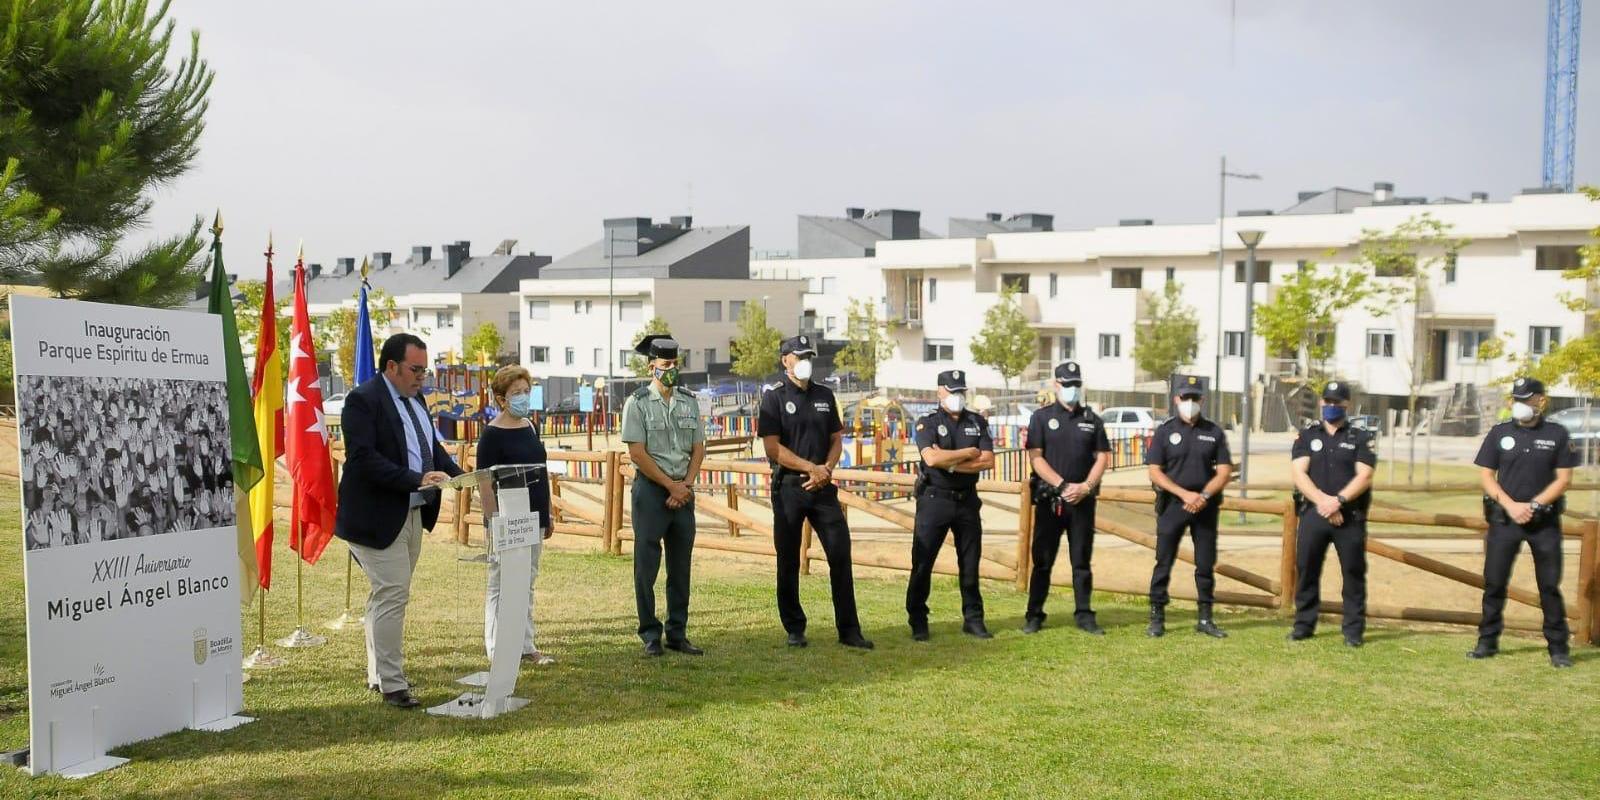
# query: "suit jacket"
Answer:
x=376 y=485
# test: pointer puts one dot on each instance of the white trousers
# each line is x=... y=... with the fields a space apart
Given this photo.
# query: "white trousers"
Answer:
x=389 y=572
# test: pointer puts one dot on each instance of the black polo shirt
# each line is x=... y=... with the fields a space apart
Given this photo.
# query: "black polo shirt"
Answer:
x=1069 y=439
x=1189 y=454
x=804 y=420
x=1334 y=457
x=1525 y=459
x=952 y=433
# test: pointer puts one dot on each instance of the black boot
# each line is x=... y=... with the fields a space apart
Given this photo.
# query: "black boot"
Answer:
x=1487 y=648
x=1158 y=622
x=1207 y=626
x=1560 y=658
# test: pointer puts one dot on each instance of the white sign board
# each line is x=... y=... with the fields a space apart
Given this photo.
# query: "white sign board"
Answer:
x=131 y=563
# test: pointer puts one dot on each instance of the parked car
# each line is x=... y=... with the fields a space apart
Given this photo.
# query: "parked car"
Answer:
x=1024 y=413
x=333 y=406
x=1572 y=420
x=1368 y=422
x=568 y=405
x=1127 y=421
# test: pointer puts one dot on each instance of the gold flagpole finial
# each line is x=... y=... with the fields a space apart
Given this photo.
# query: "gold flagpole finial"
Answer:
x=366 y=266
x=216 y=224
x=300 y=254
x=268 y=254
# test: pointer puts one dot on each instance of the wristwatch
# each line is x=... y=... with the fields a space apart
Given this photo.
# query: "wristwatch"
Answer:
x=1342 y=501
x=1206 y=496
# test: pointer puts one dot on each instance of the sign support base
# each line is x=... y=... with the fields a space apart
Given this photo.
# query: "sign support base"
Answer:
x=93 y=766
x=473 y=705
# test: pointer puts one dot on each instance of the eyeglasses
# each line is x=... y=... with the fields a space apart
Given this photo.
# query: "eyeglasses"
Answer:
x=419 y=371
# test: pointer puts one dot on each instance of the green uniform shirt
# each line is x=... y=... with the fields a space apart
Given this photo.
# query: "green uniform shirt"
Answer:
x=668 y=428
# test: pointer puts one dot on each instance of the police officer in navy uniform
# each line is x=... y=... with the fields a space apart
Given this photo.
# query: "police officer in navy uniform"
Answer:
x=1527 y=464
x=1189 y=465
x=955 y=447
x=1332 y=463
x=799 y=425
x=1068 y=449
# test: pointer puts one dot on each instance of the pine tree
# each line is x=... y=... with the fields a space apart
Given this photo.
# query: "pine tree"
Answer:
x=95 y=121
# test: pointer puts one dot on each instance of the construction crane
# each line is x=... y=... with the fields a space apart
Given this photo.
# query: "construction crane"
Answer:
x=1561 y=93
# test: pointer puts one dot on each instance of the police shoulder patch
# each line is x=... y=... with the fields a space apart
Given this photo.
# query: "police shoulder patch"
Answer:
x=775 y=385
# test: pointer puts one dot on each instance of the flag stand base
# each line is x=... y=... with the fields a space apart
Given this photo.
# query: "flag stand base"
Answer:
x=301 y=638
x=343 y=621
x=473 y=705
x=261 y=659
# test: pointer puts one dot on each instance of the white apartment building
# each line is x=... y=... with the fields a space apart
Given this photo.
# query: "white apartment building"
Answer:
x=696 y=279
x=1085 y=291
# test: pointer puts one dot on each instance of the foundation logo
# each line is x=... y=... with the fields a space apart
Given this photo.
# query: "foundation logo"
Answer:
x=202 y=646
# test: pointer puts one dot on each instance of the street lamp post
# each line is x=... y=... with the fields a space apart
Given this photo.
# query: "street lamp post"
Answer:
x=1222 y=212
x=1250 y=239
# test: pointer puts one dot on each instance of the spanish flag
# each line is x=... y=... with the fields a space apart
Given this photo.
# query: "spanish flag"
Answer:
x=267 y=389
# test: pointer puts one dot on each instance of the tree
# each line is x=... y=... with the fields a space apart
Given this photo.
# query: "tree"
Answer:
x=755 y=352
x=1171 y=337
x=1006 y=342
x=1409 y=254
x=1306 y=309
x=637 y=364
x=341 y=329
x=868 y=343
x=92 y=121
x=486 y=339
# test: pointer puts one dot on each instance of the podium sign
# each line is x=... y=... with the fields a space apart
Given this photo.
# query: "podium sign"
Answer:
x=513 y=530
x=131 y=566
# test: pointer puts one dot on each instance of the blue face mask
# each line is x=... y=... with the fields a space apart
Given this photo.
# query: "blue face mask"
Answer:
x=1332 y=413
x=519 y=405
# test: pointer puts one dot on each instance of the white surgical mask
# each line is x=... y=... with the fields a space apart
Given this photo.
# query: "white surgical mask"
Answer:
x=1069 y=395
x=1522 y=412
x=954 y=403
x=802 y=370
x=1189 y=409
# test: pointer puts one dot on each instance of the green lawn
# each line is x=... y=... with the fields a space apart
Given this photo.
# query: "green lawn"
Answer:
x=1054 y=715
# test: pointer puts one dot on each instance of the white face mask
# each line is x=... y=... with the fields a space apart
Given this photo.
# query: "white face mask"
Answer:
x=1069 y=395
x=954 y=403
x=1522 y=412
x=802 y=369
x=1189 y=409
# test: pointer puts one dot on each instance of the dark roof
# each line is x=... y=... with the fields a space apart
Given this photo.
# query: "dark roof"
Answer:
x=1337 y=200
x=711 y=252
x=477 y=275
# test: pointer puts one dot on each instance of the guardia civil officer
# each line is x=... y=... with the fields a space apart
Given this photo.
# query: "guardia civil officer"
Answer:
x=1189 y=465
x=1068 y=449
x=1332 y=463
x=955 y=447
x=799 y=425
x=1527 y=463
x=661 y=425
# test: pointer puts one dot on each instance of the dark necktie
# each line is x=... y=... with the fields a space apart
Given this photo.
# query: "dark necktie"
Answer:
x=424 y=441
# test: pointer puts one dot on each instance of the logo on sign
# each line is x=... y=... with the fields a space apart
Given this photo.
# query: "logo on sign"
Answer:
x=202 y=646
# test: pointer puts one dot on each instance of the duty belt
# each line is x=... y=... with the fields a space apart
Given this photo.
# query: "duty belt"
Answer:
x=956 y=495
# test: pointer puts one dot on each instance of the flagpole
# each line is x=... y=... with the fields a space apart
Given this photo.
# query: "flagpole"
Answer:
x=301 y=637
x=261 y=658
x=345 y=620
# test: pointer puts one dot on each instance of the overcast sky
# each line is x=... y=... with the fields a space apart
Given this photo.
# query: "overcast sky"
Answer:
x=378 y=126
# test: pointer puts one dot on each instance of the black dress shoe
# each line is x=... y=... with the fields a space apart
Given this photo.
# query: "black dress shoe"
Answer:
x=976 y=629
x=856 y=640
x=1032 y=625
x=401 y=699
x=652 y=648
x=683 y=646
x=1158 y=623
x=797 y=640
x=1353 y=641
x=919 y=634
x=1485 y=649
x=1560 y=660
x=1209 y=628
x=1298 y=635
x=1091 y=627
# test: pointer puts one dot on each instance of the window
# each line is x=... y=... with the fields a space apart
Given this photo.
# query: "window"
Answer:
x=735 y=310
x=1127 y=278
x=1302 y=265
x=1172 y=274
x=1380 y=344
x=598 y=354
x=1322 y=341
x=538 y=309
x=1068 y=345
x=711 y=356
x=1470 y=341
x=713 y=311
x=829 y=284
x=630 y=311
x=1543 y=338
x=1015 y=280
x=624 y=357
x=933 y=290
x=1401 y=266
x=1557 y=256
x=683 y=358
x=1233 y=344
x=832 y=323
x=513 y=321
x=1450 y=268
x=583 y=306
x=1053 y=282
x=1110 y=345
x=444 y=319
x=938 y=350
x=1263 y=271
x=571 y=356
x=538 y=355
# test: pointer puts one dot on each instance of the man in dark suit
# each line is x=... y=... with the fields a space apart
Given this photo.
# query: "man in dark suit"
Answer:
x=387 y=498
